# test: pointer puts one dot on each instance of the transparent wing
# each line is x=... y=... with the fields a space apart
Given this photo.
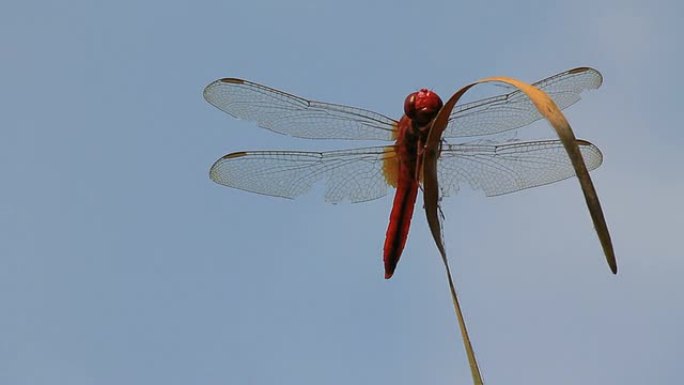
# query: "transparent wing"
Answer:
x=291 y=115
x=502 y=168
x=513 y=110
x=350 y=175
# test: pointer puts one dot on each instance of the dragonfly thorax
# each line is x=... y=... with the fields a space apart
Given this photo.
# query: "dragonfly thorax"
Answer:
x=422 y=106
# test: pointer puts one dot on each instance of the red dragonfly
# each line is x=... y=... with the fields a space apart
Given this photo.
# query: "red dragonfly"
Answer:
x=364 y=174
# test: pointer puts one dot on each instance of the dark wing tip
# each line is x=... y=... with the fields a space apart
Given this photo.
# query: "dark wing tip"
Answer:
x=211 y=85
x=232 y=80
x=213 y=168
x=579 y=70
x=234 y=155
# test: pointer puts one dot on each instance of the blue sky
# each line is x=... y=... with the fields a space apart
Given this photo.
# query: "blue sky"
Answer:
x=121 y=262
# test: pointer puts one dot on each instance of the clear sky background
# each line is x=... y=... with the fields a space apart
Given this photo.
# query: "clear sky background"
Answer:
x=122 y=263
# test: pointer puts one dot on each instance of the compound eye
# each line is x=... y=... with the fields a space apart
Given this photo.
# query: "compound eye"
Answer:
x=410 y=105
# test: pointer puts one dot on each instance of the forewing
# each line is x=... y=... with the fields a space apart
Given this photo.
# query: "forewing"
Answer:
x=514 y=110
x=502 y=168
x=350 y=175
x=292 y=115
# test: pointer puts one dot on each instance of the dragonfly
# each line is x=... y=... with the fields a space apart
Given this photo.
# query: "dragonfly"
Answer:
x=484 y=162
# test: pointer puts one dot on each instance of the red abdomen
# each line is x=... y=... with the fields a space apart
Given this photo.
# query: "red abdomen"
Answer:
x=406 y=164
x=400 y=221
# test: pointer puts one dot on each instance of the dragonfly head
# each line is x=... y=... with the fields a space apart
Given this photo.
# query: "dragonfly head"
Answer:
x=422 y=106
